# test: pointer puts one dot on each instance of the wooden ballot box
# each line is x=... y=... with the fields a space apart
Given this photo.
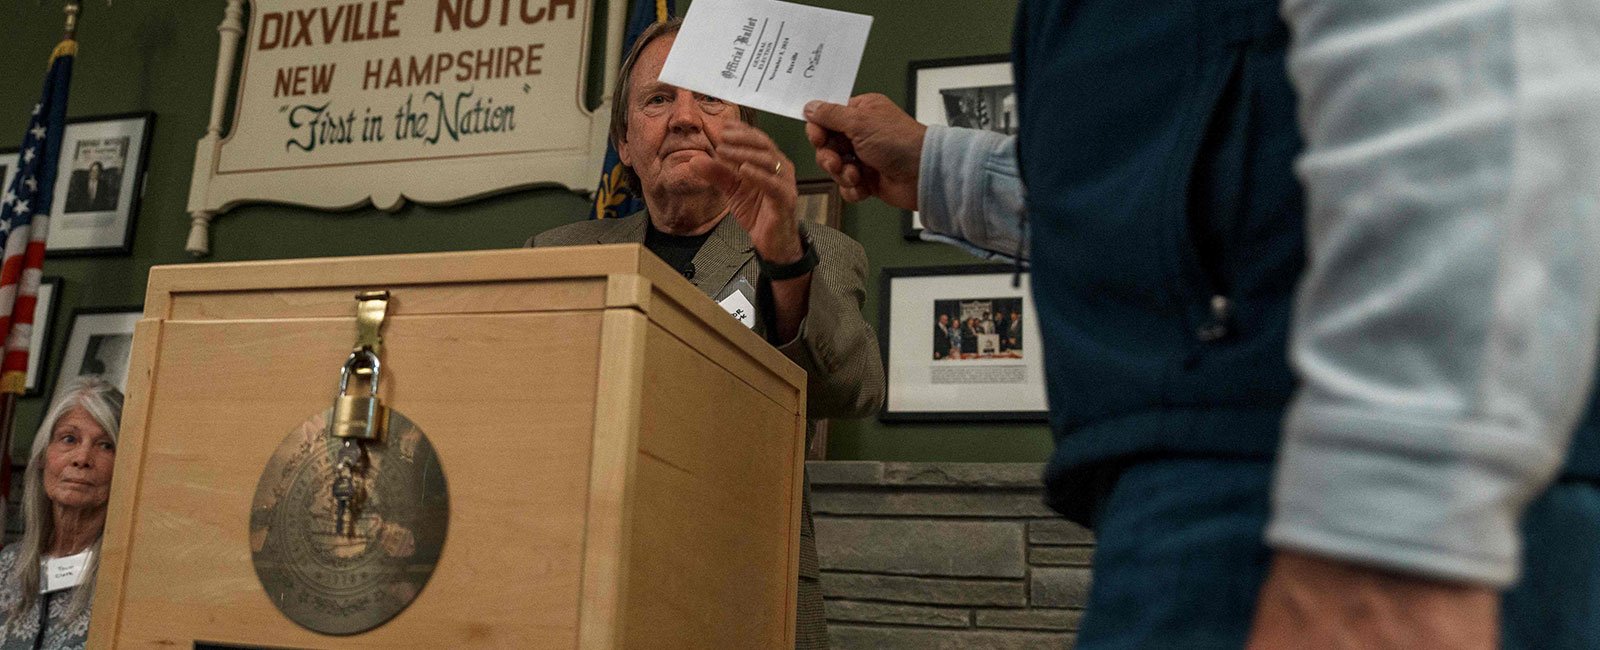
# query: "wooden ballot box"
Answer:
x=623 y=458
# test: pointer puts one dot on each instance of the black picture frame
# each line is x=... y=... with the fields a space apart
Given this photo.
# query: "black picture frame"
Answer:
x=8 y=166
x=97 y=321
x=820 y=202
x=902 y=357
x=43 y=334
x=70 y=239
x=975 y=69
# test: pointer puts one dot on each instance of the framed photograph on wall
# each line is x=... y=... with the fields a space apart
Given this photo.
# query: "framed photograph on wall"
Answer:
x=39 y=340
x=100 y=342
x=99 y=183
x=960 y=343
x=820 y=202
x=8 y=168
x=975 y=92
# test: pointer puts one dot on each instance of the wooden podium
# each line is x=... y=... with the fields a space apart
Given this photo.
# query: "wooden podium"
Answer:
x=624 y=458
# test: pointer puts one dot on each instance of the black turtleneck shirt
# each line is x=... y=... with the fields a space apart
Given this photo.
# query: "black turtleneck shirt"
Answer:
x=677 y=251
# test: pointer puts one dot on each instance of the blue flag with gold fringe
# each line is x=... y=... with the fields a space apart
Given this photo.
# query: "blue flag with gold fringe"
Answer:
x=613 y=198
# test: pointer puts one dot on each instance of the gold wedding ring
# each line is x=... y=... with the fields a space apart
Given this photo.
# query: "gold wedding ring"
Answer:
x=777 y=169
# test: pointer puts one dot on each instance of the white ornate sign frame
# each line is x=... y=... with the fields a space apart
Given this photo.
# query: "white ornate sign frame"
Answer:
x=270 y=153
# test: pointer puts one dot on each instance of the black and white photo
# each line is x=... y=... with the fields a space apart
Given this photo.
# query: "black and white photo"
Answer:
x=99 y=180
x=988 y=108
x=974 y=92
x=100 y=343
x=97 y=166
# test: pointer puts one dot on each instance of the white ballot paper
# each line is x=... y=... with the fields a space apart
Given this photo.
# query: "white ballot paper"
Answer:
x=767 y=54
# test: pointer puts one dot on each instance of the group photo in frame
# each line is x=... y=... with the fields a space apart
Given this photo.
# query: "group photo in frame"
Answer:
x=99 y=183
x=960 y=343
x=44 y=322
x=974 y=92
x=100 y=342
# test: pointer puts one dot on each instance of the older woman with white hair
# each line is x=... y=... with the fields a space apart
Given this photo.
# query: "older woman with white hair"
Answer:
x=47 y=578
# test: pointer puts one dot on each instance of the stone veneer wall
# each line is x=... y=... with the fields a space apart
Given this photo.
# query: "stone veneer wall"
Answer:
x=946 y=555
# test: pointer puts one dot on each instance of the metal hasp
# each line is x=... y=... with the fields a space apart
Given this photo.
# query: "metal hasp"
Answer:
x=363 y=416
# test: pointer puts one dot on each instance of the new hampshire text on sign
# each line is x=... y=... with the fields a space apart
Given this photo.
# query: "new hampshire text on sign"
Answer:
x=386 y=101
x=447 y=104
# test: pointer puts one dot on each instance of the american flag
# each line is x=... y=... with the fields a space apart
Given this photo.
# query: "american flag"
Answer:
x=25 y=218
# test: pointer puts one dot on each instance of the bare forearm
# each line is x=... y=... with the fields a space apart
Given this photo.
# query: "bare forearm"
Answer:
x=1314 y=602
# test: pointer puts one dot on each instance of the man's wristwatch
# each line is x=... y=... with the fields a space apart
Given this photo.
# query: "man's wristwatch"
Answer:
x=808 y=261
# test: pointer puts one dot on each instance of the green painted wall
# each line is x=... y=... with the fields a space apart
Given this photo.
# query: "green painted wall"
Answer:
x=159 y=55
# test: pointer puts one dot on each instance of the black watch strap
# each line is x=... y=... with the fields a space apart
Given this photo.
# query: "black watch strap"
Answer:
x=808 y=261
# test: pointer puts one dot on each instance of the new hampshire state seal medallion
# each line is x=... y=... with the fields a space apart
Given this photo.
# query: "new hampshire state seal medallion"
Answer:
x=344 y=534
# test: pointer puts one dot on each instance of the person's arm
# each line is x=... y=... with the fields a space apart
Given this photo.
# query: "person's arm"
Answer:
x=969 y=192
x=1317 y=602
x=963 y=182
x=834 y=344
x=816 y=317
x=1445 y=328
x=759 y=182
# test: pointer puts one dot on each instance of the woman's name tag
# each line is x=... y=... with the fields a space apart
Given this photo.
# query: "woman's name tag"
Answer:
x=59 y=573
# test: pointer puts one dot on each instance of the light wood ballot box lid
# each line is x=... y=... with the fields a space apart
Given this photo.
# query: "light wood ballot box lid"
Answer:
x=624 y=458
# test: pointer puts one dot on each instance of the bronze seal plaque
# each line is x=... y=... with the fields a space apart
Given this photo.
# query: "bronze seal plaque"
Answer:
x=342 y=565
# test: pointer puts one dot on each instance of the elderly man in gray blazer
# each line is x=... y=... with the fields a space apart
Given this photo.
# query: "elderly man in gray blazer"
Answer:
x=720 y=208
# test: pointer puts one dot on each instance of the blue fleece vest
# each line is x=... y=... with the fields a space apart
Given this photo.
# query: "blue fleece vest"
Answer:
x=1157 y=144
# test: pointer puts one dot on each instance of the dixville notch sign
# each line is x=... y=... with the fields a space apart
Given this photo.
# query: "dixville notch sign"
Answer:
x=336 y=105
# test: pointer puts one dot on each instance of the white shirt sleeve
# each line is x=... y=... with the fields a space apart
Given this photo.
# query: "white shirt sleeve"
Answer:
x=1444 y=332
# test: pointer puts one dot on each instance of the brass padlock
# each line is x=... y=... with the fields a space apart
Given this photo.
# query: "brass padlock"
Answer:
x=359 y=416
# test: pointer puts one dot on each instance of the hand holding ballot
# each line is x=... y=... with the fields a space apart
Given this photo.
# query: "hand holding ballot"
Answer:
x=870 y=148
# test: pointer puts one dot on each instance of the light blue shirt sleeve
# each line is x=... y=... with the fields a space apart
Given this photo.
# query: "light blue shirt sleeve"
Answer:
x=1444 y=331
x=970 y=193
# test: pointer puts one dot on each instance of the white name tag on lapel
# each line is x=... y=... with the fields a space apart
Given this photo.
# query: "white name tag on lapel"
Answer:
x=63 y=572
x=740 y=308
